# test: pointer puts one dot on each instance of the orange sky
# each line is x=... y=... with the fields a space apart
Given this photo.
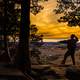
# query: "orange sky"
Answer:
x=47 y=23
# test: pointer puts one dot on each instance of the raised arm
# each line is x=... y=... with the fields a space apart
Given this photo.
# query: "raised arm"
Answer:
x=76 y=38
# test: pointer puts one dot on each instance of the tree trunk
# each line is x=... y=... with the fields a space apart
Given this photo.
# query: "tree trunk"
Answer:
x=23 y=58
x=5 y=32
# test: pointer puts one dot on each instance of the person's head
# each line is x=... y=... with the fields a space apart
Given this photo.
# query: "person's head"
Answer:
x=72 y=36
x=41 y=35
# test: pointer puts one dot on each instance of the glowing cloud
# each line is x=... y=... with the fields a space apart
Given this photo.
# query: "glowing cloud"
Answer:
x=47 y=23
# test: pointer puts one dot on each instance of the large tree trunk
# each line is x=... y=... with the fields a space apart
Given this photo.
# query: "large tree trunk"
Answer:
x=23 y=58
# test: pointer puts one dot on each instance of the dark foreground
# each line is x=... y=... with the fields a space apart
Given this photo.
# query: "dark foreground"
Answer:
x=39 y=72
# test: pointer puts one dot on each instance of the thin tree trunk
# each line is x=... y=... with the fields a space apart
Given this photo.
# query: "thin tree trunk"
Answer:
x=5 y=32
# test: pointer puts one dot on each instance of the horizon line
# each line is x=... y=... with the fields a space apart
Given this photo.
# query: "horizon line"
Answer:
x=54 y=40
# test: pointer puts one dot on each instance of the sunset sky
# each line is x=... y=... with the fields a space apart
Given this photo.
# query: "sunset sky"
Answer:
x=47 y=24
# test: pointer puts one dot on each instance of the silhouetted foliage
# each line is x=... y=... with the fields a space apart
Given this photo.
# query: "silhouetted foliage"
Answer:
x=11 y=17
x=34 y=37
x=9 y=24
x=71 y=11
x=35 y=7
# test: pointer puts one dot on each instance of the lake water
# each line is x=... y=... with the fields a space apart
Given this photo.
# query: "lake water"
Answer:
x=52 y=40
x=55 y=40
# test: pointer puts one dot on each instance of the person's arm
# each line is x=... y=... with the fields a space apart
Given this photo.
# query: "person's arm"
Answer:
x=76 y=38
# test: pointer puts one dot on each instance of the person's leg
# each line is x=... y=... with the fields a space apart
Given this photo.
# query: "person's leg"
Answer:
x=73 y=58
x=65 y=57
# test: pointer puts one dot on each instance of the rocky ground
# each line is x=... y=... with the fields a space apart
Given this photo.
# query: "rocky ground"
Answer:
x=51 y=58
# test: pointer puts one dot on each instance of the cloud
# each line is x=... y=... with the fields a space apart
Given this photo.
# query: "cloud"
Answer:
x=47 y=24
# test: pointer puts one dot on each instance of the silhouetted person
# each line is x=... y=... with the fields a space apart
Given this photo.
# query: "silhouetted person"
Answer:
x=71 y=46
